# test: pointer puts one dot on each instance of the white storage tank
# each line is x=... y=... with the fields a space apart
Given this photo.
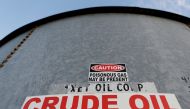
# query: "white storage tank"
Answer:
x=43 y=56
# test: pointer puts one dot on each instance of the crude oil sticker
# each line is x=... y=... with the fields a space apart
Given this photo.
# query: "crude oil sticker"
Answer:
x=103 y=101
x=108 y=73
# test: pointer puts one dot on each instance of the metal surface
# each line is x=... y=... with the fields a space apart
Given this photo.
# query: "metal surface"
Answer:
x=154 y=50
x=13 y=51
x=94 y=10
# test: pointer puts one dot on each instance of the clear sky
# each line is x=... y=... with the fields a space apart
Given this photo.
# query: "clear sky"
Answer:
x=16 y=13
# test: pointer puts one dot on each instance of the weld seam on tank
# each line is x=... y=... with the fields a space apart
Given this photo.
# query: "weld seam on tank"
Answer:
x=13 y=51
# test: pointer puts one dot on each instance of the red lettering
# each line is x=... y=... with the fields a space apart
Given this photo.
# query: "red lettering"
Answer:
x=132 y=102
x=75 y=102
x=27 y=104
x=154 y=102
x=85 y=103
x=64 y=102
x=106 y=102
x=50 y=102
x=165 y=102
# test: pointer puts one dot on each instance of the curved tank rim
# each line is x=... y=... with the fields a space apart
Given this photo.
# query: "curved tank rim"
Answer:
x=95 y=10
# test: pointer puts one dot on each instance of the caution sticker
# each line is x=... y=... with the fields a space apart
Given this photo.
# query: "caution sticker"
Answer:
x=108 y=73
x=103 y=101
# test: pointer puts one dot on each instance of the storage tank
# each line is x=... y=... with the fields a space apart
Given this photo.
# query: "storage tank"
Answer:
x=45 y=56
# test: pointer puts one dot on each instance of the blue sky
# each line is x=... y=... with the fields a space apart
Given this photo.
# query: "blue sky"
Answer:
x=16 y=13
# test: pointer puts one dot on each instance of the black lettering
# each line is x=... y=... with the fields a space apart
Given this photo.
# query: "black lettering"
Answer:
x=104 y=87
x=126 y=87
x=98 y=87
x=109 y=90
x=79 y=89
x=87 y=87
x=73 y=88
x=184 y=78
x=118 y=87
x=66 y=86
x=140 y=86
x=91 y=79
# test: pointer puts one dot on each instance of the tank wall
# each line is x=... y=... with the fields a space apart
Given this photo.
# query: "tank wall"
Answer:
x=8 y=47
x=154 y=50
